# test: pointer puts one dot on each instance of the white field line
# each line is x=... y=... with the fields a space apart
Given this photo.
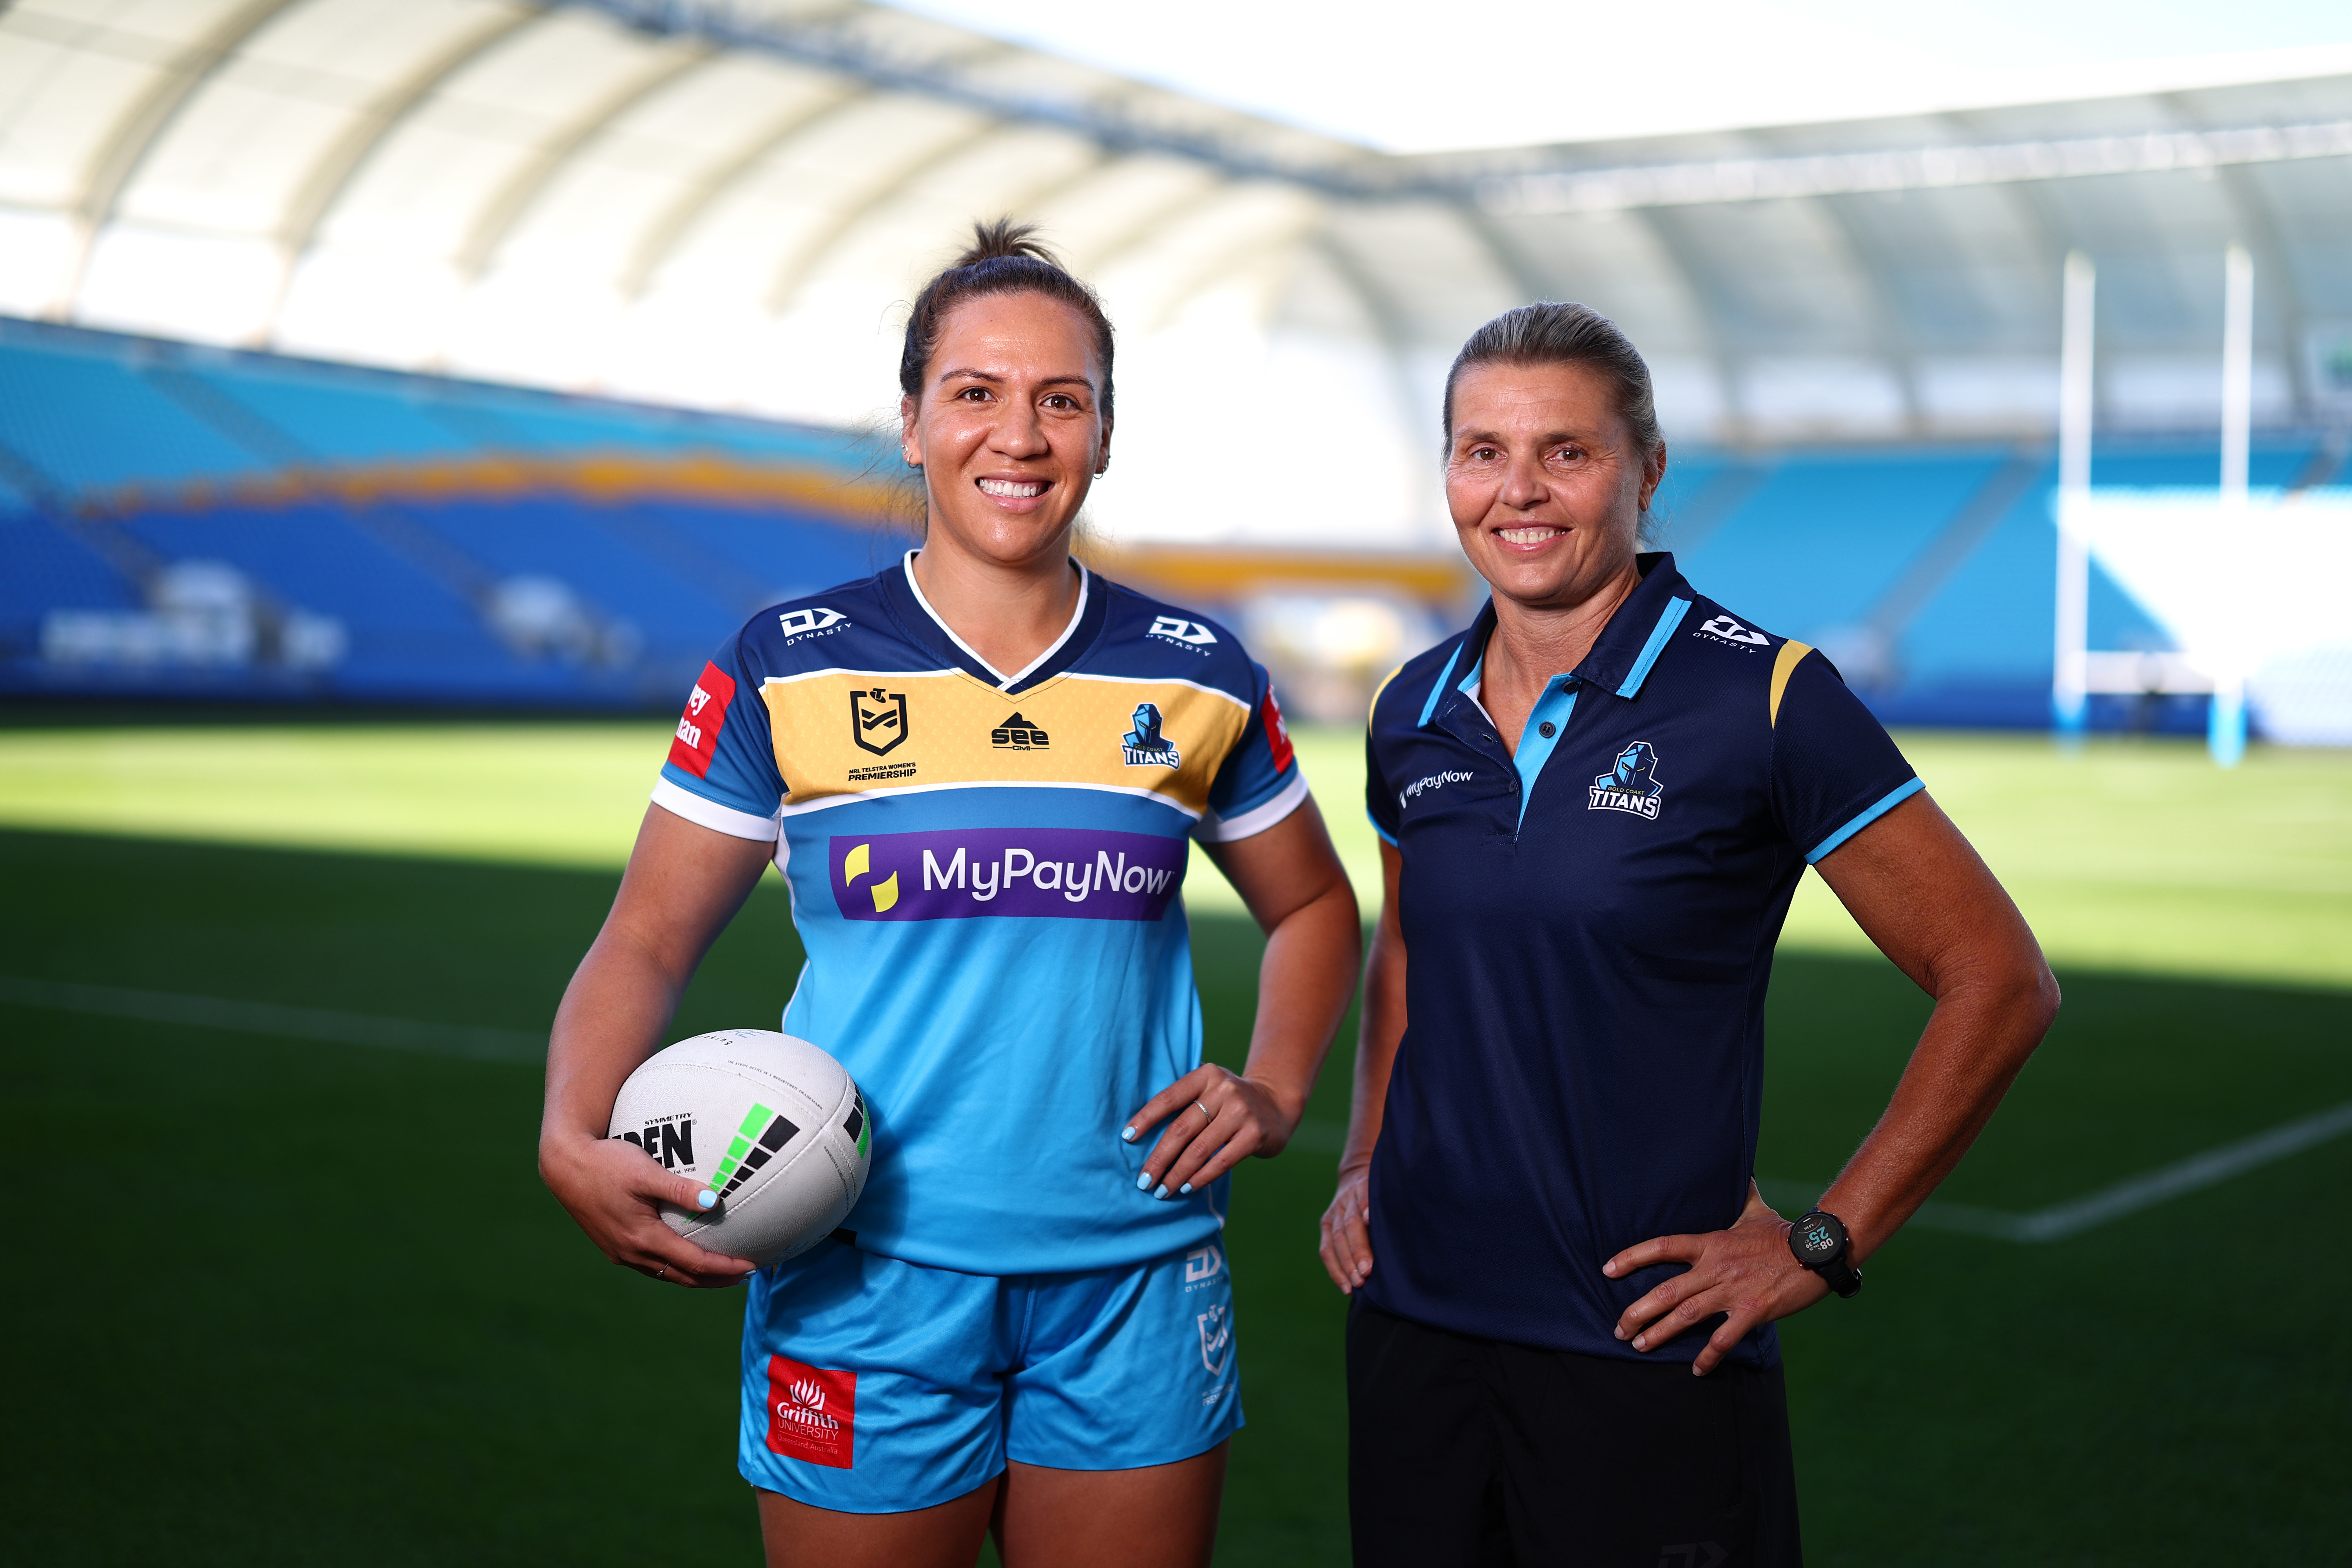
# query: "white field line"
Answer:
x=2059 y=1221
x=468 y=1041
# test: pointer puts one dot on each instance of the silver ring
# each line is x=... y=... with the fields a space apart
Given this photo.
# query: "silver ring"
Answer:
x=663 y=1272
x=1204 y=1111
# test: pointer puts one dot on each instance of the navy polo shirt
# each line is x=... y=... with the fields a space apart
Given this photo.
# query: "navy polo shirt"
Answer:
x=1589 y=925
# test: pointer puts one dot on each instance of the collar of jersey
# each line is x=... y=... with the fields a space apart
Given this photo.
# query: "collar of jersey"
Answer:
x=1622 y=656
x=924 y=625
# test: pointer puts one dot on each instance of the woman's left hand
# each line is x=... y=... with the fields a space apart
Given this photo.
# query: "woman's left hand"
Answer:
x=1215 y=1118
x=1746 y=1272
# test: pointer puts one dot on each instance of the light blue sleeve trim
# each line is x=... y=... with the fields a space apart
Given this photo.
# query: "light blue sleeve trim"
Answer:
x=1558 y=701
x=1385 y=837
x=1869 y=814
x=1667 y=621
x=1438 y=689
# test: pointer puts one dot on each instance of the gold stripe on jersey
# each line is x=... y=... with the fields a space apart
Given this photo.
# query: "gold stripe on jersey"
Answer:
x=846 y=732
x=1784 y=665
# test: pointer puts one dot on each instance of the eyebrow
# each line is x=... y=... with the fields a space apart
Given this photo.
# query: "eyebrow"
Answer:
x=1473 y=437
x=989 y=375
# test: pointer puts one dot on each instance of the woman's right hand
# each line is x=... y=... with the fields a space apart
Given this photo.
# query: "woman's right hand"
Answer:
x=1347 y=1238
x=612 y=1189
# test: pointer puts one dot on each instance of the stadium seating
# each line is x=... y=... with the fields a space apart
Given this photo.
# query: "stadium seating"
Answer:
x=178 y=520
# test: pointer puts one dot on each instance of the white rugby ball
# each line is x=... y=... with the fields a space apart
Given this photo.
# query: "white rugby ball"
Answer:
x=772 y=1124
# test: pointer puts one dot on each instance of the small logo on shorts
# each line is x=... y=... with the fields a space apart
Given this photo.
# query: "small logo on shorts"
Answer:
x=1203 y=1264
x=1216 y=1339
x=812 y=1412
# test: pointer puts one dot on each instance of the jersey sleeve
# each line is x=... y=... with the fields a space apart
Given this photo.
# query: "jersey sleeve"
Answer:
x=722 y=772
x=1260 y=782
x=1835 y=770
x=1379 y=799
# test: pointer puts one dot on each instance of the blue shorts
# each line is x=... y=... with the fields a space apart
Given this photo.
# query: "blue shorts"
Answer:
x=873 y=1385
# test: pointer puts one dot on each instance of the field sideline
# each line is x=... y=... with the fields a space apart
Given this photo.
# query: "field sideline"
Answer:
x=336 y=1317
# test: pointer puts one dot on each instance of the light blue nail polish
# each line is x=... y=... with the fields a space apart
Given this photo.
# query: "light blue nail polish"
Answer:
x=1185 y=1188
x=1162 y=1192
x=1143 y=1183
x=1126 y=1135
x=705 y=1199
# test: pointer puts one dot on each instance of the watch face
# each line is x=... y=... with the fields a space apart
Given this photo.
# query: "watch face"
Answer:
x=1819 y=1237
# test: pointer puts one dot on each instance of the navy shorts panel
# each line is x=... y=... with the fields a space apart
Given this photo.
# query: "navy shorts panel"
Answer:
x=1466 y=1453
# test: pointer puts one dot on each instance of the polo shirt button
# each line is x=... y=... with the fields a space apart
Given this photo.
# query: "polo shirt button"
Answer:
x=1547 y=729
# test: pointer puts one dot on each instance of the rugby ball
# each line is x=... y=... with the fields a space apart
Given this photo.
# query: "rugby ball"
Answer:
x=770 y=1122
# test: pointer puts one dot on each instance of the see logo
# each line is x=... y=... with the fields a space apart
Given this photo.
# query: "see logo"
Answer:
x=878 y=720
x=812 y=1412
x=696 y=741
x=1018 y=734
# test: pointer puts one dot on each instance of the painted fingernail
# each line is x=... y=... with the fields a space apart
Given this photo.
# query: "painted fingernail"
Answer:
x=1143 y=1183
x=1126 y=1135
x=1162 y=1192
x=1185 y=1188
x=705 y=1199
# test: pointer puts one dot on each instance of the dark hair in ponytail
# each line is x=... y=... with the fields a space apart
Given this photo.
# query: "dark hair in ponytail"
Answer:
x=1003 y=260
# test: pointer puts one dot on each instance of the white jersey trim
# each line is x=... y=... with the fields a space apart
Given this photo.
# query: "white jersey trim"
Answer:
x=719 y=818
x=1214 y=829
x=828 y=802
x=1004 y=681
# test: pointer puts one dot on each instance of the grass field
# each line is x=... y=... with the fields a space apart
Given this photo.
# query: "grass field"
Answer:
x=325 y=1312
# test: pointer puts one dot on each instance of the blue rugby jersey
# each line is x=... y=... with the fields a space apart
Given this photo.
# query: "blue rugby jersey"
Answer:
x=1589 y=924
x=985 y=873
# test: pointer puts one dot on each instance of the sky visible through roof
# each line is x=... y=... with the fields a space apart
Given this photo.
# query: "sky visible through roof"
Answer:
x=1410 y=78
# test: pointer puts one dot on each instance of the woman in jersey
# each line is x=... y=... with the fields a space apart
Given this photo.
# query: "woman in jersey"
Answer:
x=1595 y=805
x=979 y=771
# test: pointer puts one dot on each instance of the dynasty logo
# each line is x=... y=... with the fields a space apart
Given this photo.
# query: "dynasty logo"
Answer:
x=1017 y=735
x=1632 y=784
x=1144 y=747
x=878 y=720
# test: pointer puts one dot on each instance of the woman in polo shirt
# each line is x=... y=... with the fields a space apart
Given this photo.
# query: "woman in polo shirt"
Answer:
x=1595 y=805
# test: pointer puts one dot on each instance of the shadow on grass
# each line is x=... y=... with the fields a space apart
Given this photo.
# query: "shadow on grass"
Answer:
x=329 y=1312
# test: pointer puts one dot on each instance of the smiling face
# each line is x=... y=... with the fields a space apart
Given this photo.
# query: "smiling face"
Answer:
x=1009 y=430
x=1545 y=482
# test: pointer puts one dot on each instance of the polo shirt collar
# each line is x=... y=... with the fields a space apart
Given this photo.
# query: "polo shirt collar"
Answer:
x=1622 y=656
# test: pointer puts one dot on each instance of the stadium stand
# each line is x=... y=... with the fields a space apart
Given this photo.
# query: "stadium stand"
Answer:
x=183 y=521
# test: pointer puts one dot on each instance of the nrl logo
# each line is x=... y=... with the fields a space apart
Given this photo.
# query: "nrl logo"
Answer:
x=799 y=624
x=1144 y=747
x=878 y=720
x=1632 y=784
x=1216 y=1339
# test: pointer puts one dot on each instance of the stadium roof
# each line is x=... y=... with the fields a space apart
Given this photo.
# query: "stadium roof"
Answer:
x=720 y=205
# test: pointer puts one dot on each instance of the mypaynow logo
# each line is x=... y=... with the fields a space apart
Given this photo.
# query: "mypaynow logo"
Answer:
x=1055 y=873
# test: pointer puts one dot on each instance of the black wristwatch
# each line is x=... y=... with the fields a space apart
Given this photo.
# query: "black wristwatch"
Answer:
x=1819 y=1240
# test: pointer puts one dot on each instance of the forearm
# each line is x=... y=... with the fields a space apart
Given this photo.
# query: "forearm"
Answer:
x=1304 y=982
x=1376 y=1037
x=611 y=1019
x=1973 y=1048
